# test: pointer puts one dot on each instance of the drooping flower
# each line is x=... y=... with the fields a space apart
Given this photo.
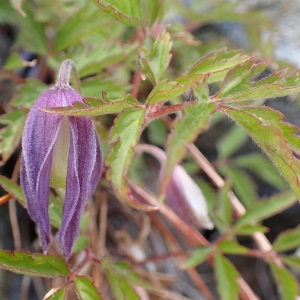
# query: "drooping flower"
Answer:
x=183 y=195
x=59 y=151
x=187 y=200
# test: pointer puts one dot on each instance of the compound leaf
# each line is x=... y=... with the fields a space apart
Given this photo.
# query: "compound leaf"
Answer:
x=240 y=85
x=275 y=137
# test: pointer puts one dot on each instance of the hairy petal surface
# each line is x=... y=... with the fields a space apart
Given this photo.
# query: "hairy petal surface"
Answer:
x=39 y=136
x=81 y=178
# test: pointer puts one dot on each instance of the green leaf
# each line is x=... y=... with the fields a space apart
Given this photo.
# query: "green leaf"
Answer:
x=231 y=141
x=186 y=128
x=93 y=61
x=242 y=184
x=266 y=208
x=85 y=289
x=28 y=93
x=291 y=261
x=237 y=85
x=14 y=62
x=262 y=167
x=289 y=239
x=7 y=13
x=116 y=89
x=197 y=257
x=152 y=11
x=13 y=189
x=123 y=270
x=80 y=244
x=223 y=209
x=55 y=206
x=226 y=275
x=166 y=90
x=124 y=136
x=232 y=247
x=55 y=211
x=156 y=62
x=98 y=108
x=32 y=33
x=33 y=264
x=75 y=28
x=58 y=295
x=10 y=135
x=121 y=288
x=275 y=137
x=286 y=283
x=217 y=64
x=127 y=12
x=250 y=229
x=157 y=132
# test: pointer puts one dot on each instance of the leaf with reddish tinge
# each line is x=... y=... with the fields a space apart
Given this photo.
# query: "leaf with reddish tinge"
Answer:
x=123 y=137
x=275 y=137
x=126 y=12
x=166 y=90
x=239 y=84
x=156 y=61
x=34 y=264
x=95 y=108
x=85 y=289
x=185 y=130
x=217 y=63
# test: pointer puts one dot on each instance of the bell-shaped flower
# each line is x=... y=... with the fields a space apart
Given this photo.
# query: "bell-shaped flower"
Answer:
x=183 y=195
x=187 y=200
x=59 y=151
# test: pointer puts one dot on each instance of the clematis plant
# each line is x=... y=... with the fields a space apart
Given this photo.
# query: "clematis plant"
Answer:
x=59 y=152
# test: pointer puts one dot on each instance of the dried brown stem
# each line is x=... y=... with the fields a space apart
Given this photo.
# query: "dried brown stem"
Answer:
x=194 y=238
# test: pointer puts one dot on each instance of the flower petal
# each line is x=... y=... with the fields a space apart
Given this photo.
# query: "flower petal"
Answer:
x=81 y=165
x=97 y=167
x=38 y=139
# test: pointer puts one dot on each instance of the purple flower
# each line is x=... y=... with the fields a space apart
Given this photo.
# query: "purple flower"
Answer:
x=187 y=200
x=59 y=151
x=182 y=193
